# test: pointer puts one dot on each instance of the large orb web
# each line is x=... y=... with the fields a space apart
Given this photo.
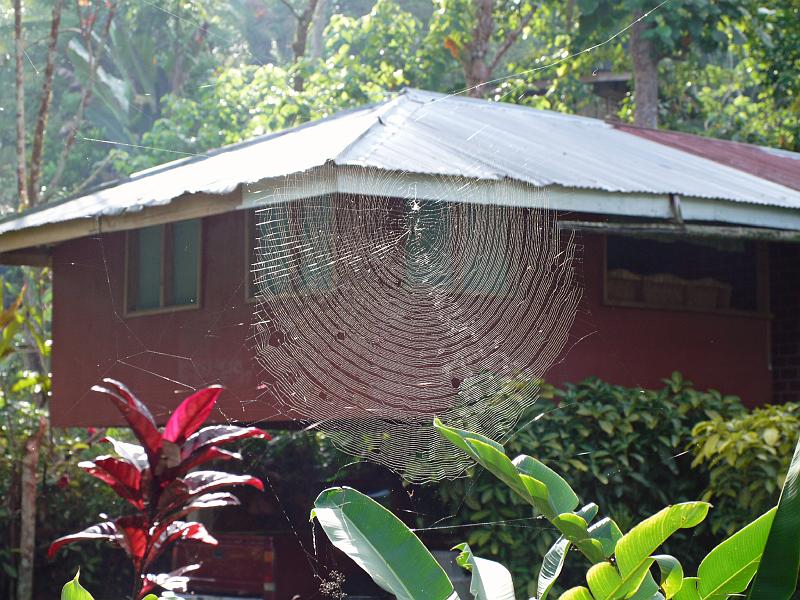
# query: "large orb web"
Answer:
x=377 y=313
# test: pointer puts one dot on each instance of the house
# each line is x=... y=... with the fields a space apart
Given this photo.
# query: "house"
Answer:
x=690 y=258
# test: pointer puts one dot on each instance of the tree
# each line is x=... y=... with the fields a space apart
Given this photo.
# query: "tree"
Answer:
x=29 y=170
x=303 y=18
x=669 y=31
x=479 y=34
x=25 y=352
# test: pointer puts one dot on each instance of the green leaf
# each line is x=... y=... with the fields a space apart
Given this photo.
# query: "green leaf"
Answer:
x=562 y=496
x=553 y=561
x=729 y=567
x=73 y=590
x=607 y=533
x=608 y=583
x=490 y=579
x=688 y=590
x=648 y=590
x=381 y=545
x=635 y=547
x=631 y=576
x=604 y=581
x=552 y=564
x=490 y=455
x=522 y=476
x=671 y=574
x=576 y=593
x=776 y=577
x=572 y=526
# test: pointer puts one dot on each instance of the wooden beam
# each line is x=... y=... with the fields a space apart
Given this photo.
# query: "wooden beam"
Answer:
x=29 y=257
x=673 y=230
x=188 y=206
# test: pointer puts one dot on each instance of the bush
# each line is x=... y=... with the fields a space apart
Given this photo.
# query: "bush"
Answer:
x=624 y=448
x=765 y=552
x=746 y=458
x=65 y=501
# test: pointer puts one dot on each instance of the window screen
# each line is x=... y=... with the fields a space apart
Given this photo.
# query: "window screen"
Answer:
x=163 y=266
x=185 y=259
x=147 y=267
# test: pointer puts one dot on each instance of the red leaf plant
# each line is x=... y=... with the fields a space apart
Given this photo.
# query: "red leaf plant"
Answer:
x=157 y=479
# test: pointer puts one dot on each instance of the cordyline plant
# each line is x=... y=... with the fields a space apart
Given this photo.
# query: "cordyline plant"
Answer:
x=157 y=479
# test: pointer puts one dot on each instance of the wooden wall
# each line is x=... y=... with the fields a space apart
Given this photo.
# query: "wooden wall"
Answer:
x=162 y=356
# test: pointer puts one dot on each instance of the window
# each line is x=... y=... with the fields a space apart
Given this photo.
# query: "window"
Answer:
x=163 y=266
x=290 y=248
x=707 y=275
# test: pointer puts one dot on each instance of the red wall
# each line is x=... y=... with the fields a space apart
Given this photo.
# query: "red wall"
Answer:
x=639 y=347
x=161 y=357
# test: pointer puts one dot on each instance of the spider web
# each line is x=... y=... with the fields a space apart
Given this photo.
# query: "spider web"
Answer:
x=377 y=313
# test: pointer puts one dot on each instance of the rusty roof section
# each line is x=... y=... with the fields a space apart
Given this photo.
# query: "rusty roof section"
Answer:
x=779 y=166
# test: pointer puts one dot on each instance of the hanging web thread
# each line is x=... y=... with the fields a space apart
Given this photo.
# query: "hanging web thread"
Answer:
x=377 y=313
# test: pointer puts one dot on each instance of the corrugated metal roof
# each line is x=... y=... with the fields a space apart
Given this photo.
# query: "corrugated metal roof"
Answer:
x=780 y=166
x=427 y=133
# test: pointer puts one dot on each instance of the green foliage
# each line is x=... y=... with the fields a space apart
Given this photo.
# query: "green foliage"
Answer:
x=381 y=544
x=696 y=26
x=777 y=573
x=553 y=498
x=622 y=564
x=73 y=590
x=729 y=567
x=622 y=447
x=746 y=458
x=188 y=76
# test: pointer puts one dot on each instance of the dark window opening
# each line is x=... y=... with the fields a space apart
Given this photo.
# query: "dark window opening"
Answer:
x=163 y=266
x=711 y=275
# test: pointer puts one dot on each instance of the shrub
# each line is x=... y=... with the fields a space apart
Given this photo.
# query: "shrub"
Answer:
x=623 y=564
x=746 y=458
x=622 y=447
x=158 y=477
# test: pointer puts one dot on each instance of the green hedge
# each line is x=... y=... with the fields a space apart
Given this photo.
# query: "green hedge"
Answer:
x=624 y=448
x=746 y=459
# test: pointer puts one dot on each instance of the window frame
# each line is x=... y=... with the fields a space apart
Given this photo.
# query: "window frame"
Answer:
x=166 y=267
x=762 y=289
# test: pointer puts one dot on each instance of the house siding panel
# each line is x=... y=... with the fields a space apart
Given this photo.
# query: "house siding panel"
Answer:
x=163 y=356
x=640 y=346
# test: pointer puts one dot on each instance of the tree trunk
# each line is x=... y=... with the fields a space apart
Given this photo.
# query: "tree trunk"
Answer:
x=301 y=38
x=95 y=51
x=318 y=29
x=27 y=529
x=44 y=106
x=12 y=500
x=19 y=50
x=476 y=68
x=645 y=77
